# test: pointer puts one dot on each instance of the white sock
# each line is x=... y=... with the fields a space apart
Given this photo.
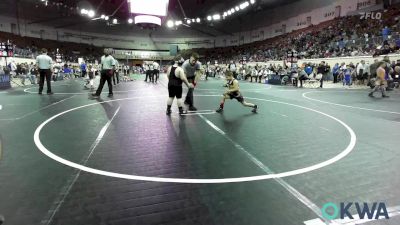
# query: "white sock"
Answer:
x=179 y=101
x=170 y=101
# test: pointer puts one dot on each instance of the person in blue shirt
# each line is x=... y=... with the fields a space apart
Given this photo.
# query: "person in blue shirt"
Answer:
x=309 y=69
x=83 y=69
x=385 y=33
x=347 y=71
x=336 y=71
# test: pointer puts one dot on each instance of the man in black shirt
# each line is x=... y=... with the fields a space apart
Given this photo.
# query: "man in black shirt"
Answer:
x=322 y=69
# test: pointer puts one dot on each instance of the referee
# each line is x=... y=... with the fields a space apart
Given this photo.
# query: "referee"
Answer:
x=193 y=72
x=44 y=64
x=107 y=72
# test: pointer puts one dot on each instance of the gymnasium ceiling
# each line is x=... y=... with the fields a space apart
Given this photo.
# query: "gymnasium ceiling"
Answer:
x=63 y=14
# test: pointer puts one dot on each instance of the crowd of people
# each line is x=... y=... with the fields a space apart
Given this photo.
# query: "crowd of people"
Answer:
x=341 y=37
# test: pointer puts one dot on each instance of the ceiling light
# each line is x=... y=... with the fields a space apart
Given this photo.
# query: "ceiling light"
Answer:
x=170 y=23
x=106 y=18
x=130 y=20
x=244 y=5
x=115 y=21
x=91 y=13
x=146 y=7
x=188 y=21
x=147 y=19
x=252 y=1
x=178 y=22
x=237 y=8
x=232 y=10
x=193 y=20
x=84 y=11
x=102 y=16
x=198 y=20
x=225 y=14
x=216 y=17
x=209 y=18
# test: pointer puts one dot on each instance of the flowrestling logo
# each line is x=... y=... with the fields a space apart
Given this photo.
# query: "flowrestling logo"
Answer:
x=371 y=15
x=374 y=211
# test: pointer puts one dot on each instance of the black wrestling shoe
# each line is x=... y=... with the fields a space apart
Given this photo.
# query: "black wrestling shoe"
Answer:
x=168 y=112
x=192 y=108
x=110 y=95
x=255 y=109
x=371 y=95
x=220 y=110
x=95 y=96
x=385 y=96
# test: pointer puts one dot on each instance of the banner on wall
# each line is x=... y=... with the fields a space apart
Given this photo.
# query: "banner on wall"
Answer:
x=362 y=4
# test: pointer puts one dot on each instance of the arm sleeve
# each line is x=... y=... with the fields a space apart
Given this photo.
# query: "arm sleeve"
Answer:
x=198 y=66
x=185 y=65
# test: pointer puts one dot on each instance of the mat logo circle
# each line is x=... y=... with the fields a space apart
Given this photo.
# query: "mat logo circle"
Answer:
x=331 y=211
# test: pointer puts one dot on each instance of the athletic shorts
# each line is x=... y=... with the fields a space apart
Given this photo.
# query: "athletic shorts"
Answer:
x=237 y=96
x=380 y=82
x=175 y=91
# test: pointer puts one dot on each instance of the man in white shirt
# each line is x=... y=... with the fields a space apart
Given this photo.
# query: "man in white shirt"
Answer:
x=146 y=68
x=362 y=73
x=156 y=71
x=44 y=64
x=107 y=72
x=232 y=67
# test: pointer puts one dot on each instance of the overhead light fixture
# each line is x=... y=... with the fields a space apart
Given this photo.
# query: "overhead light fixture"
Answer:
x=142 y=19
x=198 y=20
x=146 y=7
x=237 y=8
x=209 y=18
x=106 y=18
x=252 y=1
x=216 y=17
x=130 y=20
x=170 y=23
x=188 y=21
x=193 y=20
x=232 y=10
x=91 y=13
x=103 y=16
x=84 y=11
x=244 y=5
x=115 y=21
